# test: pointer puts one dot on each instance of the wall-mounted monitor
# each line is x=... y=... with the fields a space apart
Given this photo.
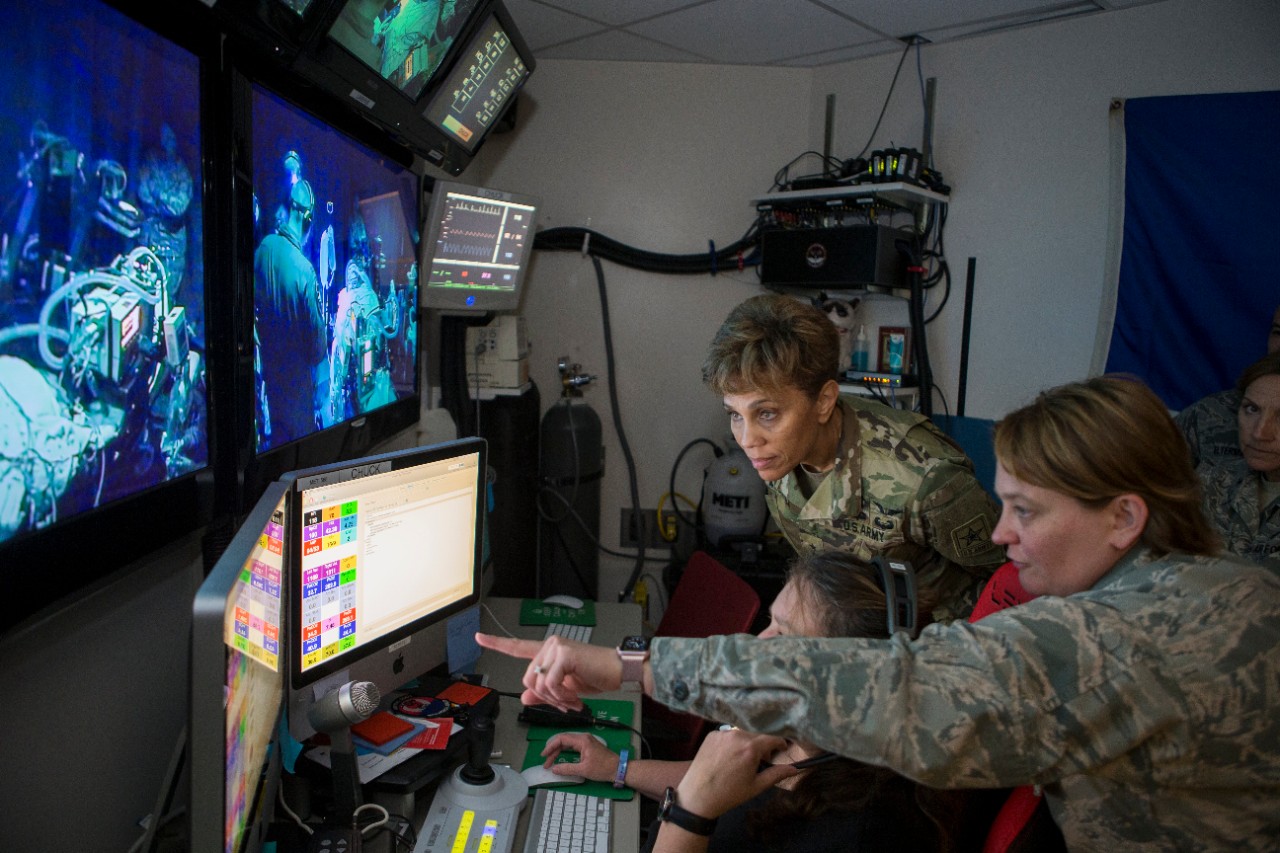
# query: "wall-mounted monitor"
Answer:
x=104 y=405
x=335 y=232
x=381 y=552
x=480 y=87
x=404 y=42
x=478 y=247
x=435 y=77
x=237 y=684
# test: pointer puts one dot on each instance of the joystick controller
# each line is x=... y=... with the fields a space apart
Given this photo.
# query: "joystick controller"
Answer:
x=476 y=807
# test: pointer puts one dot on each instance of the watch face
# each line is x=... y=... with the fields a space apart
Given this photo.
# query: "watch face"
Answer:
x=668 y=800
x=634 y=644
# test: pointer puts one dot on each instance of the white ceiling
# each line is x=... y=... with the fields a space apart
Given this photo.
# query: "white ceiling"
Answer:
x=795 y=33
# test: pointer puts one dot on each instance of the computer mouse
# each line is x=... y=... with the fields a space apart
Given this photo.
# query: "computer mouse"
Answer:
x=564 y=601
x=538 y=775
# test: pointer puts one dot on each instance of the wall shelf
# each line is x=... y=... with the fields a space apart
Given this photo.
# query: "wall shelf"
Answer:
x=897 y=192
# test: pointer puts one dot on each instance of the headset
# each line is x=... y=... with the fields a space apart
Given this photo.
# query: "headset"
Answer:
x=898 y=579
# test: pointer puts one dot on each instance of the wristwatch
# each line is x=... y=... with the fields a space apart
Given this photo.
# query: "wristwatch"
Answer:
x=686 y=820
x=633 y=652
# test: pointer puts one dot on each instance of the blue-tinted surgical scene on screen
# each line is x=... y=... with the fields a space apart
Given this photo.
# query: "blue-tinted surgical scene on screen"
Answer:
x=335 y=275
x=102 y=368
x=403 y=40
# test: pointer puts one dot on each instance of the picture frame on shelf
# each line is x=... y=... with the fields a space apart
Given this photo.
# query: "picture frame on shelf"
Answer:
x=894 y=349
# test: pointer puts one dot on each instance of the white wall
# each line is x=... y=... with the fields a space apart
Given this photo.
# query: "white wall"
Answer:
x=665 y=157
x=1021 y=134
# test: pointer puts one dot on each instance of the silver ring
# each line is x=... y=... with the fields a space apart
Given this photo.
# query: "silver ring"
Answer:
x=537 y=669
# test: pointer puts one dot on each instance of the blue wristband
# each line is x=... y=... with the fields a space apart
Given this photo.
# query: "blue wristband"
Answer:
x=623 y=756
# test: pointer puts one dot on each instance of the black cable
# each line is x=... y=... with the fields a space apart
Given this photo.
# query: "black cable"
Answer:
x=946 y=293
x=885 y=106
x=671 y=485
x=615 y=409
x=572 y=239
x=595 y=540
x=782 y=178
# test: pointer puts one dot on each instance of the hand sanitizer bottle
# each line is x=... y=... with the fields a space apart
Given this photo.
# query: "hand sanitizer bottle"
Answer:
x=861 y=350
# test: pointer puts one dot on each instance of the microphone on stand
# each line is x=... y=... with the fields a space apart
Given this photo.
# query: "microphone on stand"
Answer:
x=334 y=714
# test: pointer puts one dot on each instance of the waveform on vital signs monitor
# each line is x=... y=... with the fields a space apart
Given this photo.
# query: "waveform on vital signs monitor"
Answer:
x=482 y=209
x=456 y=249
x=462 y=232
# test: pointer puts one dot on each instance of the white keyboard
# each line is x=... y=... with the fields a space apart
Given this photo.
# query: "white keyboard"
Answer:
x=581 y=633
x=562 y=821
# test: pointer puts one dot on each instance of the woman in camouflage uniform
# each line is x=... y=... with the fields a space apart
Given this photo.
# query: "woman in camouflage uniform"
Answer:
x=847 y=472
x=1242 y=495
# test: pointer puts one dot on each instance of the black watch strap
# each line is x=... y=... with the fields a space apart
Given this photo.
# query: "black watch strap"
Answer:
x=683 y=818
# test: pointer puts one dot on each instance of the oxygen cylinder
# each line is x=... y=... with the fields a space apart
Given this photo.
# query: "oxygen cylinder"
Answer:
x=571 y=467
x=732 y=497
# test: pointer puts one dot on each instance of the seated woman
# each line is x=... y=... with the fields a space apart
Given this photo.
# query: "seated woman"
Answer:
x=837 y=805
x=1242 y=496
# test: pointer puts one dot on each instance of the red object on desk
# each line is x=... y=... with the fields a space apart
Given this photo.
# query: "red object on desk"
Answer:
x=434 y=736
x=380 y=728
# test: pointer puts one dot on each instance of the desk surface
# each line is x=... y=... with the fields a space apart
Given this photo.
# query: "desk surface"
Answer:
x=613 y=622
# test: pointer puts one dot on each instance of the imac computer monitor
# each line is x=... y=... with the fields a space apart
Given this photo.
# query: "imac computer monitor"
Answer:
x=383 y=551
x=478 y=247
x=237 y=684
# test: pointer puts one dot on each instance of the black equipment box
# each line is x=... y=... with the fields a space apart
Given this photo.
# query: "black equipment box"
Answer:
x=844 y=257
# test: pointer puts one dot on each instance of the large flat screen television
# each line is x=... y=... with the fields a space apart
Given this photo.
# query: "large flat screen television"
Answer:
x=237 y=684
x=381 y=552
x=335 y=290
x=478 y=247
x=104 y=408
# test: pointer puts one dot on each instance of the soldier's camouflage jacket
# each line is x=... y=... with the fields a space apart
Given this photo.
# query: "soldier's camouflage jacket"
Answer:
x=1146 y=706
x=1210 y=427
x=900 y=488
x=1231 y=504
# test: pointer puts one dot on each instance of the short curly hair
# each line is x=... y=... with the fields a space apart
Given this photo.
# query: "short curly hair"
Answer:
x=771 y=342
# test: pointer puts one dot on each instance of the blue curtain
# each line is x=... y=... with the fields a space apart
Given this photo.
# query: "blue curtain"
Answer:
x=1198 y=271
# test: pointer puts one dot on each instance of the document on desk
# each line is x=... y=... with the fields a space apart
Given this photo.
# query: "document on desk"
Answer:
x=371 y=764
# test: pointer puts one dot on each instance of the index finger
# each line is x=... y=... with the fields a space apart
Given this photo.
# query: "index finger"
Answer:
x=509 y=645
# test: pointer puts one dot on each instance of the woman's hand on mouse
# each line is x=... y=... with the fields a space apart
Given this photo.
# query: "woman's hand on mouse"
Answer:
x=595 y=760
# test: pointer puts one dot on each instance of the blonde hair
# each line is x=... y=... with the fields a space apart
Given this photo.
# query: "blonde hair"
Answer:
x=771 y=342
x=1104 y=437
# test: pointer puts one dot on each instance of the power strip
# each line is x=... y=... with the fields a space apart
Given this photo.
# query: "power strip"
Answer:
x=880 y=380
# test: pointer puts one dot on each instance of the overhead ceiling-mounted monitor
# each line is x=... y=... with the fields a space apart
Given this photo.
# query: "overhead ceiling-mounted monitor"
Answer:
x=478 y=248
x=480 y=87
x=435 y=76
x=404 y=42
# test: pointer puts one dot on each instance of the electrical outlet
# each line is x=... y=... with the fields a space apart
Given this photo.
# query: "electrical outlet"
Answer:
x=630 y=529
